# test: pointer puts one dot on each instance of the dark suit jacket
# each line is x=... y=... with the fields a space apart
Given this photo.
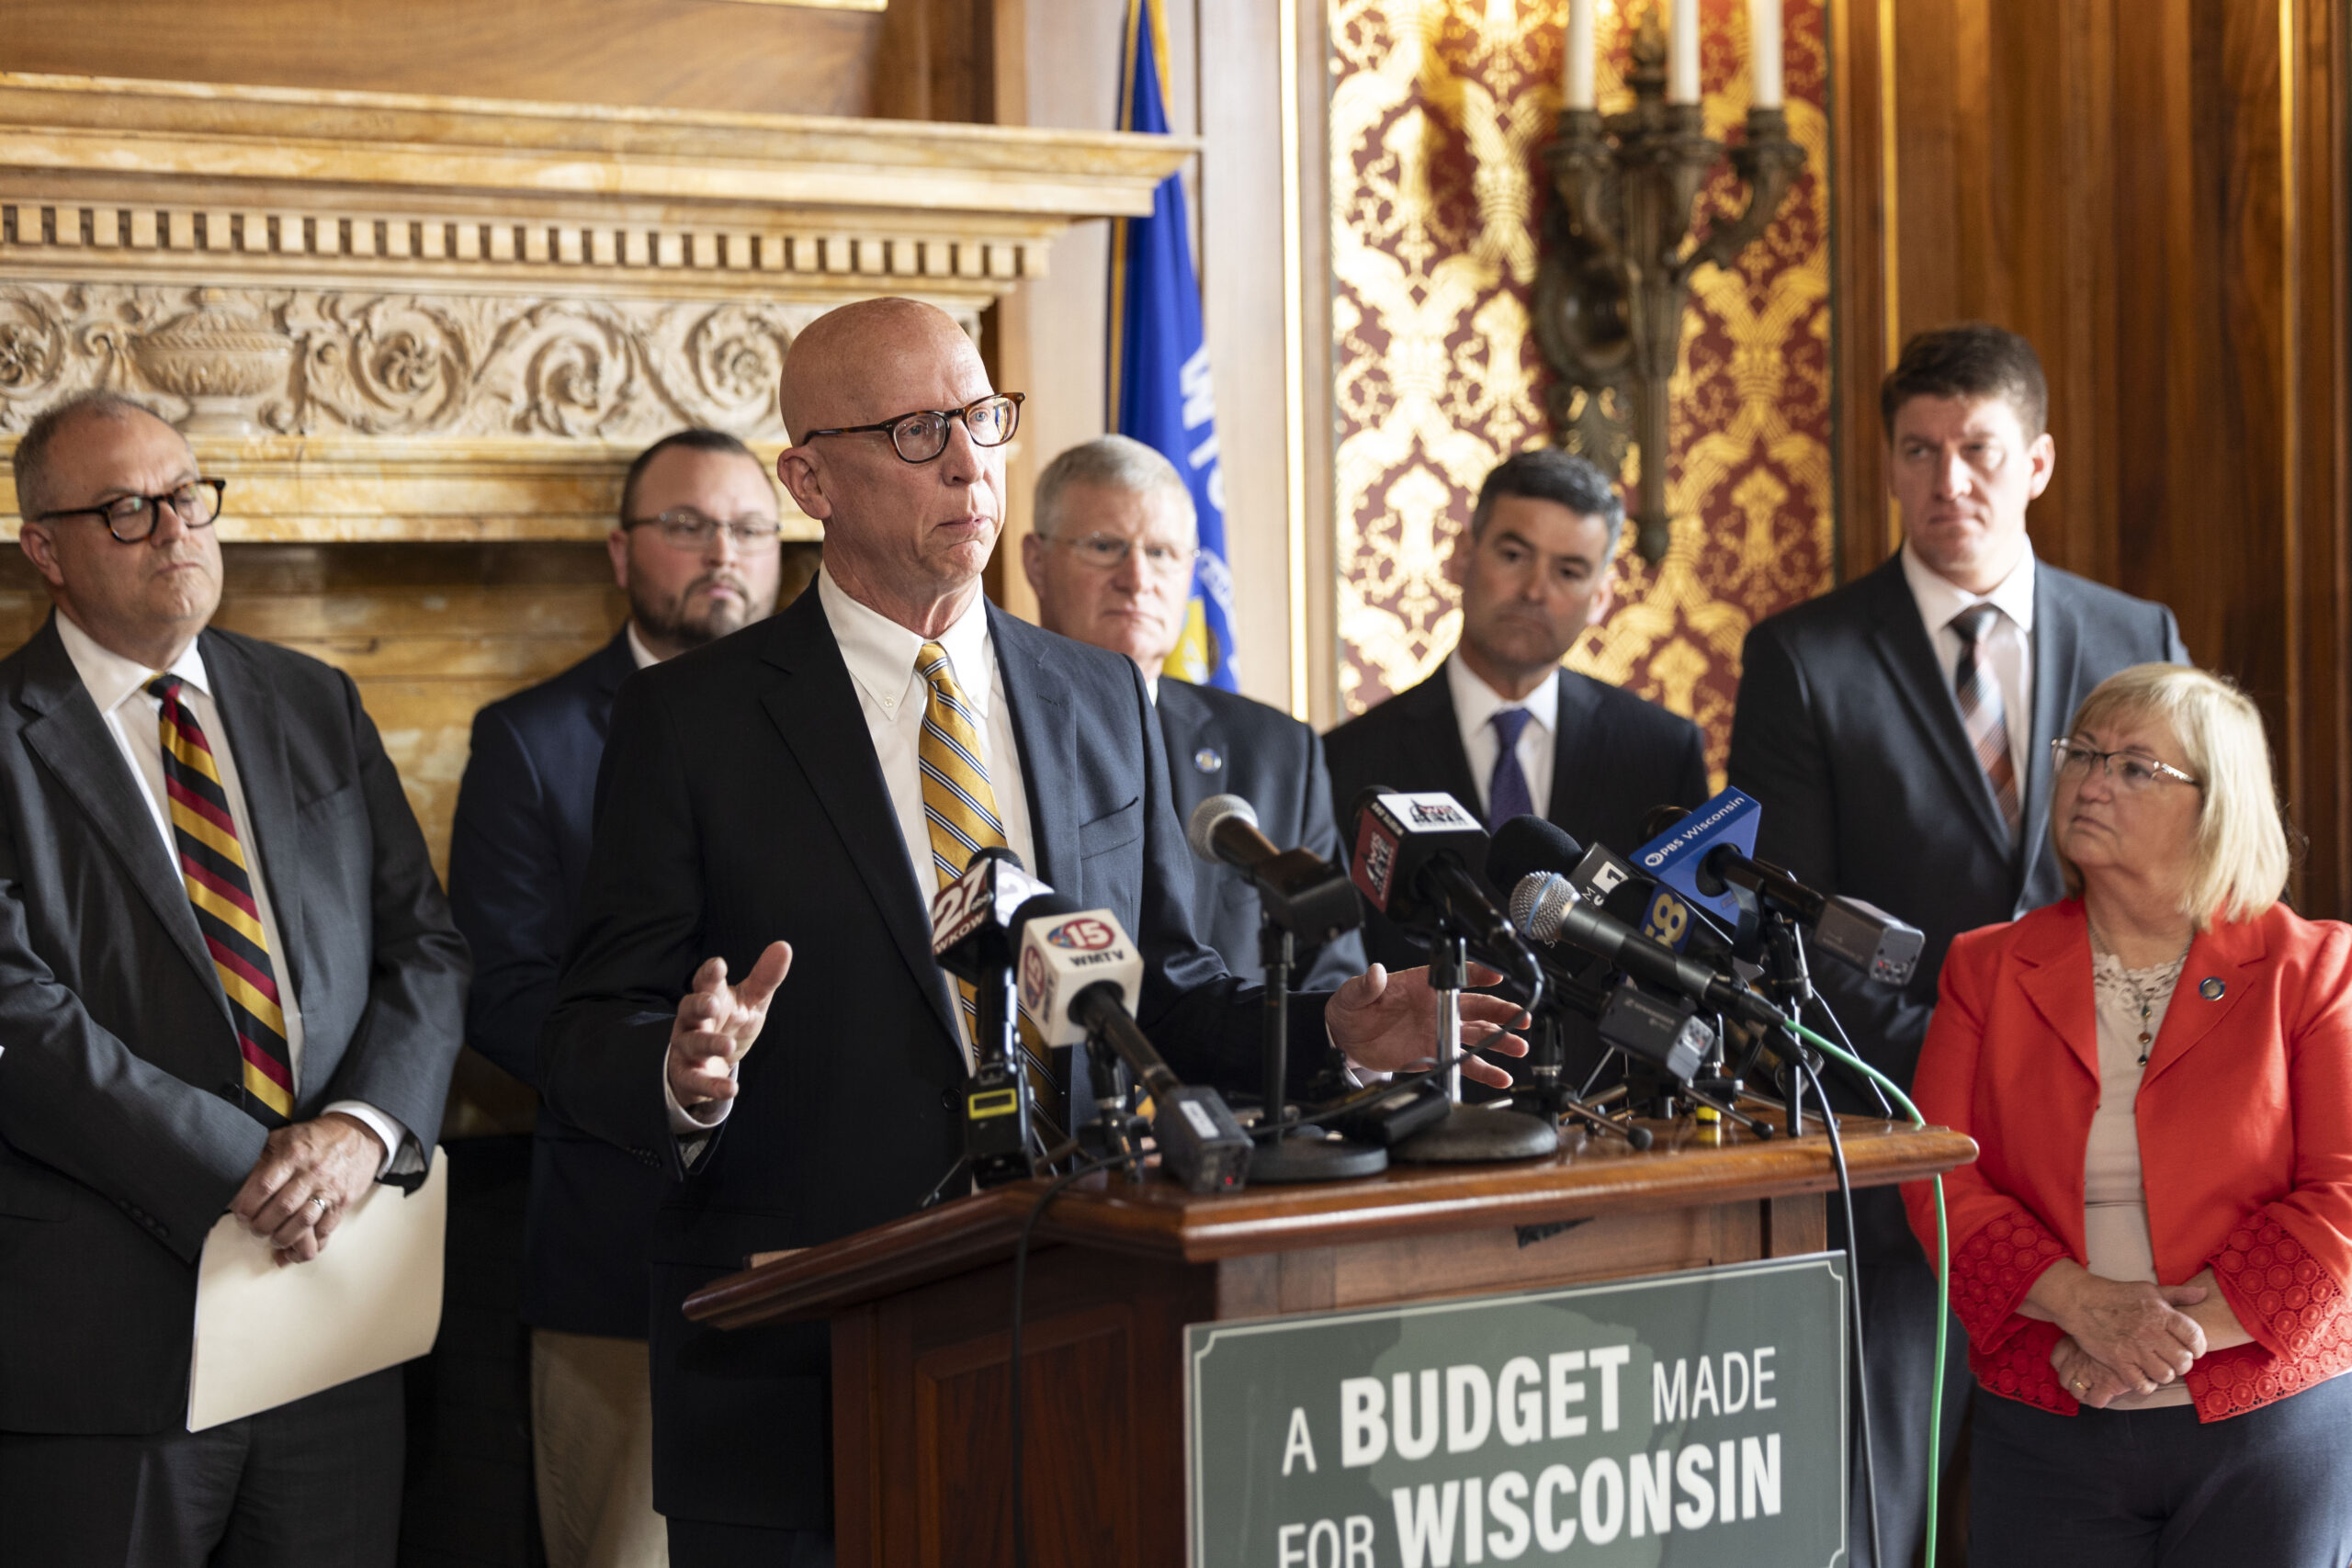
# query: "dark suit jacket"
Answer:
x=123 y=1132
x=1615 y=757
x=1848 y=734
x=741 y=803
x=1223 y=743
x=518 y=852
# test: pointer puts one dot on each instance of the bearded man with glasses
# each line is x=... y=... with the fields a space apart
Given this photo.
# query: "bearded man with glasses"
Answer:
x=695 y=547
x=229 y=984
x=776 y=813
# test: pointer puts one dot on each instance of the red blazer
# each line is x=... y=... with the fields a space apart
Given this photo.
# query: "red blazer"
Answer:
x=2245 y=1140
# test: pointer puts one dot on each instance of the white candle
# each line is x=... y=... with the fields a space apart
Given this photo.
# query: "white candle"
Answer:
x=1764 y=52
x=1578 y=89
x=1682 y=54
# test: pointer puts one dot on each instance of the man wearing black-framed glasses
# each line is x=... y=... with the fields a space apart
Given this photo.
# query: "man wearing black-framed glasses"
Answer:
x=695 y=546
x=227 y=983
x=778 y=810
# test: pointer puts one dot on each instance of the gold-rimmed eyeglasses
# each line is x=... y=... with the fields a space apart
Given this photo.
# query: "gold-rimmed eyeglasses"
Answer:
x=2130 y=770
x=920 y=436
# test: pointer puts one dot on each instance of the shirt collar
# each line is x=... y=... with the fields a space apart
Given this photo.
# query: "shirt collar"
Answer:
x=1939 y=598
x=1475 y=703
x=881 y=653
x=109 y=678
x=644 y=656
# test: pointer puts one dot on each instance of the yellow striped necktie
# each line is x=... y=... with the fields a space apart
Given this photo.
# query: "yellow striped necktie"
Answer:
x=221 y=887
x=959 y=810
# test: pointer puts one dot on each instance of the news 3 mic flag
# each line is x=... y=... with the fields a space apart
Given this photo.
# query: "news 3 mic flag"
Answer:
x=1160 y=358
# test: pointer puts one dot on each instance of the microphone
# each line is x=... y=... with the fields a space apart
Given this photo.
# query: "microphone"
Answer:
x=1713 y=852
x=1080 y=979
x=1301 y=893
x=1601 y=876
x=1552 y=911
x=973 y=935
x=1412 y=860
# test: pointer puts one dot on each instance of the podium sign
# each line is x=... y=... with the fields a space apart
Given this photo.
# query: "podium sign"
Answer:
x=1682 y=1419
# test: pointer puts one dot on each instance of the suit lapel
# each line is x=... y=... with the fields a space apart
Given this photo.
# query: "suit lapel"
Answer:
x=1048 y=738
x=2056 y=979
x=2056 y=656
x=256 y=738
x=1580 y=732
x=1900 y=640
x=615 y=664
x=1435 y=735
x=1183 y=723
x=2228 y=953
x=71 y=739
x=814 y=706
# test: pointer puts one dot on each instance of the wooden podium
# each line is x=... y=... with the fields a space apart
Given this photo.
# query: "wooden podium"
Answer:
x=921 y=1312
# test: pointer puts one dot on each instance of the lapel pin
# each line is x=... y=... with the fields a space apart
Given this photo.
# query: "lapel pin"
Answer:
x=1207 y=759
x=2211 y=988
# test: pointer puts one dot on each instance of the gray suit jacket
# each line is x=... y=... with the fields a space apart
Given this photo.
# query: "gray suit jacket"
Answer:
x=123 y=1134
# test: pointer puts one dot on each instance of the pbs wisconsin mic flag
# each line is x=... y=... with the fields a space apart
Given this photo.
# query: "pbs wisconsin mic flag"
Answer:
x=1159 y=358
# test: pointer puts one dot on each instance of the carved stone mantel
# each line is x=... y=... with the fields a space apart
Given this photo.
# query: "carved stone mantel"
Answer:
x=389 y=317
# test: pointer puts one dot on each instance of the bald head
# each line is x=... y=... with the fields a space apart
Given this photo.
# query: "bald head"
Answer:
x=844 y=365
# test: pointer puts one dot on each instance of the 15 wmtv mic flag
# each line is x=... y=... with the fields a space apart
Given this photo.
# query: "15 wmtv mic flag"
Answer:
x=1160 y=358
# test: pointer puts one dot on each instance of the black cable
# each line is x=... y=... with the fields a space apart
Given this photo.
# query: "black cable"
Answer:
x=1853 y=1307
x=1020 y=1283
x=1868 y=1082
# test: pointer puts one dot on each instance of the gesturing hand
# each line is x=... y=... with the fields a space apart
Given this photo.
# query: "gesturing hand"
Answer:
x=1388 y=1022
x=307 y=1174
x=717 y=1023
x=2091 y=1380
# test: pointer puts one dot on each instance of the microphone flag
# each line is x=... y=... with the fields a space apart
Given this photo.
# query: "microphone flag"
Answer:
x=1159 y=358
x=1675 y=855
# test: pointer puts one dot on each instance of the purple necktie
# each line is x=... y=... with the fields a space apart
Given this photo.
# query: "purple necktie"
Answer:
x=1507 y=792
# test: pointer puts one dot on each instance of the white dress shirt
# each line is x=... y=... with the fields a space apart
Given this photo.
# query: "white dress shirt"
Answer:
x=1474 y=706
x=118 y=687
x=892 y=696
x=2008 y=643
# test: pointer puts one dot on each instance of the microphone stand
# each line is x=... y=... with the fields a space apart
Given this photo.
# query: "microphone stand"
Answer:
x=1550 y=1097
x=1470 y=1134
x=1284 y=1153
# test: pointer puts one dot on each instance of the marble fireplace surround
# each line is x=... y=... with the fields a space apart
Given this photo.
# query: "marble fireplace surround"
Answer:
x=392 y=318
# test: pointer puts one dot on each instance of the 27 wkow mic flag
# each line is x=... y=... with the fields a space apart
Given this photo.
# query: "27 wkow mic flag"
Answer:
x=1159 y=358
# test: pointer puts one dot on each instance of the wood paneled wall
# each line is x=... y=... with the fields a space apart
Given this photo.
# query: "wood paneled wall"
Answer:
x=2153 y=191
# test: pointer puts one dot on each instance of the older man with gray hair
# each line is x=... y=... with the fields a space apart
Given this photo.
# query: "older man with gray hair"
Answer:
x=1111 y=560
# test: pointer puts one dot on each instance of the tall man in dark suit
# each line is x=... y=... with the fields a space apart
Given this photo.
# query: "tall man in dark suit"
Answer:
x=780 y=807
x=227 y=982
x=1501 y=726
x=1897 y=731
x=1111 y=559
x=695 y=549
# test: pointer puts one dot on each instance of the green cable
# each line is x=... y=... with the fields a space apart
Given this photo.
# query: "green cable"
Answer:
x=1943 y=1277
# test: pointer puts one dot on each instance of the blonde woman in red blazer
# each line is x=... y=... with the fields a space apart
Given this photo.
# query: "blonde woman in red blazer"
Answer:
x=2151 y=1253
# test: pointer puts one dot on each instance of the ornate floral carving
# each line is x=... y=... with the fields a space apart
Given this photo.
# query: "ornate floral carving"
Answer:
x=379 y=363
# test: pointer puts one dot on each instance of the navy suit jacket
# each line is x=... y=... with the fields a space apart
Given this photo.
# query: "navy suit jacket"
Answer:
x=741 y=802
x=1614 y=757
x=1223 y=743
x=1850 y=736
x=518 y=854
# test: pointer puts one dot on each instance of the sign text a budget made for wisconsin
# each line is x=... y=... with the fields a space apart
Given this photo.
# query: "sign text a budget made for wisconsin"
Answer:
x=1685 y=1420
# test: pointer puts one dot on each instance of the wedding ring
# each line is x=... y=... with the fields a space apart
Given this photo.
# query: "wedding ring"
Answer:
x=2082 y=1385
x=321 y=1202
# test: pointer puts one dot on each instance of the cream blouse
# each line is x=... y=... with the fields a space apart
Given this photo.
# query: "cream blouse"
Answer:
x=2115 y=1205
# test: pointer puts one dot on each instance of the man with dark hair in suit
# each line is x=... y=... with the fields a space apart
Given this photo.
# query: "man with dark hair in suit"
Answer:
x=776 y=812
x=1897 y=731
x=1111 y=560
x=1501 y=726
x=227 y=983
x=695 y=548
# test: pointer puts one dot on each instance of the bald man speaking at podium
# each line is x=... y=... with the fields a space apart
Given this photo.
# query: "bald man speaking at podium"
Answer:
x=775 y=813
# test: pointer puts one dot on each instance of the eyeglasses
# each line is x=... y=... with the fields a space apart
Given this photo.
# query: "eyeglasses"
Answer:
x=132 y=518
x=2133 y=772
x=920 y=436
x=685 y=528
x=1108 y=552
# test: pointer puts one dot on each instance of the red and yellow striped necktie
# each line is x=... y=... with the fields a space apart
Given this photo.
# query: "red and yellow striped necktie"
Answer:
x=221 y=887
